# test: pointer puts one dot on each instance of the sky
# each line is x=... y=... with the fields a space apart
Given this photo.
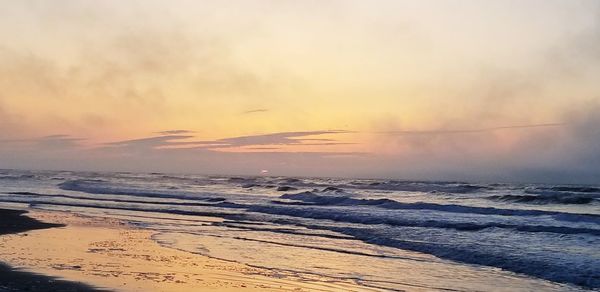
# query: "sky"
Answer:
x=504 y=90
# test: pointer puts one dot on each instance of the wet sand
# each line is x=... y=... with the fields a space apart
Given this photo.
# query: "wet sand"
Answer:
x=110 y=254
x=13 y=222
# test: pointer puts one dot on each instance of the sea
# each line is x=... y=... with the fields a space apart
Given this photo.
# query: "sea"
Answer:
x=382 y=234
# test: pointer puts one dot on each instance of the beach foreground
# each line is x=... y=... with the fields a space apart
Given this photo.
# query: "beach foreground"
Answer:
x=13 y=221
x=109 y=254
x=112 y=255
x=157 y=232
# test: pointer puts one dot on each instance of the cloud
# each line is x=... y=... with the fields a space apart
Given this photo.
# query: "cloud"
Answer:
x=254 y=111
x=48 y=152
x=470 y=131
x=245 y=155
x=251 y=141
x=60 y=142
x=264 y=148
x=152 y=144
x=128 y=75
x=150 y=141
x=283 y=138
x=175 y=132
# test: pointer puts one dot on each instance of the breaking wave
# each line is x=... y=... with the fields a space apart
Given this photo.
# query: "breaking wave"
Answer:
x=542 y=200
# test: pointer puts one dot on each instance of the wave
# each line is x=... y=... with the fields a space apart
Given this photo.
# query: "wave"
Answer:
x=219 y=214
x=575 y=189
x=286 y=189
x=101 y=187
x=17 y=177
x=312 y=213
x=213 y=200
x=541 y=200
x=320 y=200
x=584 y=274
x=361 y=218
x=421 y=186
x=389 y=185
x=542 y=195
x=564 y=190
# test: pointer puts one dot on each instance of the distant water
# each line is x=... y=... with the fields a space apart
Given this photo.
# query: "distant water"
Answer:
x=372 y=231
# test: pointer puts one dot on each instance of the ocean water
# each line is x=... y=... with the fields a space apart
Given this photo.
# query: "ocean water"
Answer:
x=386 y=234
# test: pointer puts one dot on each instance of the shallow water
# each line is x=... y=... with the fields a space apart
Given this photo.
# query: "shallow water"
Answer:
x=379 y=233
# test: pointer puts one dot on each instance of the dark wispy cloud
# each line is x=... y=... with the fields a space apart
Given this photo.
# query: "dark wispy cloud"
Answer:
x=150 y=141
x=274 y=140
x=47 y=145
x=264 y=148
x=59 y=142
x=283 y=138
x=254 y=111
x=175 y=132
x=476 y=130
x=155 y=143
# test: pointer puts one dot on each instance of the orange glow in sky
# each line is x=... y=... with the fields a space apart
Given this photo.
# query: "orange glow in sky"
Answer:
x=387 y=86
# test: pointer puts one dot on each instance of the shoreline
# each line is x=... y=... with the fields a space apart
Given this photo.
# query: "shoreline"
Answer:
x=13 y=222
x=112 y=254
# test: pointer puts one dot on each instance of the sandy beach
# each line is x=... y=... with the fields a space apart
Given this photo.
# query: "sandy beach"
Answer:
x=111 y=255
x=13 y=222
